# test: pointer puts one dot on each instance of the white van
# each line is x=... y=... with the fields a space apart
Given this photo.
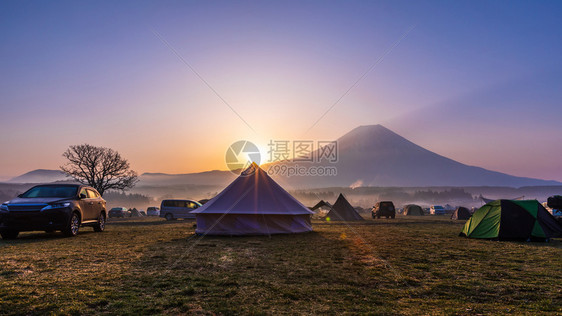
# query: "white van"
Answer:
x=174 y=209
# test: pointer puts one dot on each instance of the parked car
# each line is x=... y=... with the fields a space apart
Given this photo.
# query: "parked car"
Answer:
x=153 y=211
x=437 y=210
x=384 y=208
x=142 y=213
x=174 y=209
x=51 y=207
x=554 y=206
x=554 y=202
x=119 y=212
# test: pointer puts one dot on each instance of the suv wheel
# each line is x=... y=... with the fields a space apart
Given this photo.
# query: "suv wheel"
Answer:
x=100 y=226
x=169 y=217
x=9 y=234
x=73 y=226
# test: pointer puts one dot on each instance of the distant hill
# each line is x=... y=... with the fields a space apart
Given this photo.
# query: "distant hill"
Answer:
x=215 y=177
x=41 y=176
x=376 y=156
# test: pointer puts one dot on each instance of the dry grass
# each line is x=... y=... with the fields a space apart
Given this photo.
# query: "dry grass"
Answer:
x=401 y=266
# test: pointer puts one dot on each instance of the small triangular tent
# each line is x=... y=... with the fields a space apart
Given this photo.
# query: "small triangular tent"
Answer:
x=253 y=204
x=413 y=210
x=461 y=213
x=135 y=212
x=343 y=211
x=512 y=220
x=321 y=204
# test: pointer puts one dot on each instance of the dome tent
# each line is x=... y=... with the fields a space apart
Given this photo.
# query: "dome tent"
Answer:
x=461 y=213
x=413 y=210
x=343 y=211
x=512 y=220
x=253 y=204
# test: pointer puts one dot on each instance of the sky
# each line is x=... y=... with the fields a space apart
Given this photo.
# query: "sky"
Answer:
x=171 y=84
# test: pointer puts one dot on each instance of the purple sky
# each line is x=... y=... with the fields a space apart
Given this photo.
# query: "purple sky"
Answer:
x=476 y=81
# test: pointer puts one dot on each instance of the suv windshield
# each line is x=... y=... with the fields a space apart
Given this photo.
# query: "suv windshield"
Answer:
x=51 y=191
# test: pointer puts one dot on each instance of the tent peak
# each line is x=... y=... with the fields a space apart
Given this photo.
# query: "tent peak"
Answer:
x=253 y=168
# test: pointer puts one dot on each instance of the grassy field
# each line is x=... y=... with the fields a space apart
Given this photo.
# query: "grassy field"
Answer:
x=401 y=266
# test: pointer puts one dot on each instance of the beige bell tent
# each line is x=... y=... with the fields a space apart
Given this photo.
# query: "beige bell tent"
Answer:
x=343 y=211
x=253 y=204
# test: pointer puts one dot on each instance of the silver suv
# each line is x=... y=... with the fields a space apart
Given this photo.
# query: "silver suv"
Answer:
x=152 y=211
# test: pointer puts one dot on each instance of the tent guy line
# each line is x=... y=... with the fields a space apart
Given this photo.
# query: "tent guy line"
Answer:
x=188 y=65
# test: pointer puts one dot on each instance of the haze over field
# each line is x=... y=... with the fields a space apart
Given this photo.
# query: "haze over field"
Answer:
x=170 y=85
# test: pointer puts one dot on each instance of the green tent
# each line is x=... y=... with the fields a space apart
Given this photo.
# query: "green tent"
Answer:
x=512 y=220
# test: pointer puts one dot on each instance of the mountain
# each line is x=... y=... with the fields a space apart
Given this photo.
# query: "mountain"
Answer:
x=41 y=176
x=376 y=156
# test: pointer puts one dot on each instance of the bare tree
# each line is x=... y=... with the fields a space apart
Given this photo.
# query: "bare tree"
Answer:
x=100 y=167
